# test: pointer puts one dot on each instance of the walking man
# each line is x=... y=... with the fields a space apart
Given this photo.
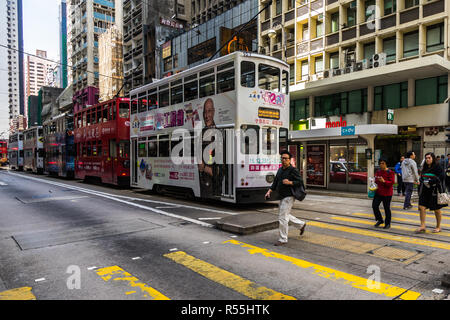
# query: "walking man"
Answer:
x=286 y=178
x=398 y=172
x=410 y=176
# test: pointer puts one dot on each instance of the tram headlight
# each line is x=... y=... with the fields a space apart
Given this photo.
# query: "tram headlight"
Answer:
x=270 y=177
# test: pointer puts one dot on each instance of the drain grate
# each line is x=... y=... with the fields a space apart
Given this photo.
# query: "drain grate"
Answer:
x=397 y=253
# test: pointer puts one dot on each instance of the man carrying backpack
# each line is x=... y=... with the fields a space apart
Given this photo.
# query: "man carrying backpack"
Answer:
x=286 y=178
x=410 y=176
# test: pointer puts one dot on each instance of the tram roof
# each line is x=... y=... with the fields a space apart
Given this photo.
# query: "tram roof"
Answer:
x=205 y=65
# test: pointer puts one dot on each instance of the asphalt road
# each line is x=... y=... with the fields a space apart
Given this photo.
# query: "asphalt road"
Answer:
x=65 y=239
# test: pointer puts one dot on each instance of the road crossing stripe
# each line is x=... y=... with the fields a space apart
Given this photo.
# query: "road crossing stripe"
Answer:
x=226 y=278
x=344 y=278
x=382 y=235
x=445 y=234
x=445 y=209
x=396 y=219
x=415 y=214
x=116 y=273
x=23 y=293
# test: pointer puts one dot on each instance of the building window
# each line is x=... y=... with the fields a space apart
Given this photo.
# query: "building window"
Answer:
x=318 y=64
x=305 y=69
x=369 y=7
x=390 y=6
x=391 y=96
x=278 y=7
x=389 y=45
x=431 y=90
x=411 y=3
x=369 y=50
x=341 y=103
x=435 y=37
x=299 y=109
x=291 y=4
x=351 y=14
x=411 y=44
x=305 y=32
x=319 y=28
x=334 y=60
x=335 y=22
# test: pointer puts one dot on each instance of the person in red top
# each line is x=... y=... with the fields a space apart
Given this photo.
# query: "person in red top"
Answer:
x=385 y=180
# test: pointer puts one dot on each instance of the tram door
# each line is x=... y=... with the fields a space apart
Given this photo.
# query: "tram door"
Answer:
x=226 y=177
x=113 y=157
x=134 y=165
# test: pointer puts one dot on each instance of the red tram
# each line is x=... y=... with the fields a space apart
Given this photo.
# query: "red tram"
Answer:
x=102 y=142
x=3 y=152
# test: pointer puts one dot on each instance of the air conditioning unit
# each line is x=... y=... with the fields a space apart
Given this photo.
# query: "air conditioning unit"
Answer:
x=305 y=78
x=379 y=60
x=348 y=70
x=327 y=73
x=337 y=72
x=361 y=65
x=314 y=77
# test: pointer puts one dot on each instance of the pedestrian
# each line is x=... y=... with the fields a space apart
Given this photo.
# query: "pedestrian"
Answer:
x=410 y=176
x=287 y=177
x=385 y=178
x=398 y=172
x=431 y=180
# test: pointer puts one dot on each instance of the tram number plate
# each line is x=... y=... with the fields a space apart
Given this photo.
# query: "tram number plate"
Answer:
x=269 y=113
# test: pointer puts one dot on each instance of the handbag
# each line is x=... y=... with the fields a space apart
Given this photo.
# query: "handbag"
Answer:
x=443 y=198
x=299 y=192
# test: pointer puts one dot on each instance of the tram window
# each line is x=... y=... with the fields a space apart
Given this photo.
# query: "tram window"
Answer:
x=207 y=86
x=88 y=119
x=152 y=101
x=163 y=98
x=78 y=119
x=142 y=150
x=124 y=147
x=269 y=142
x=99 y=148
x=142 y=103
x=94 y=148
x=268 y=77
x=283 y=135
x=249 y=139
x=70 y=123
x=114 y=111
x=191 y=90
x=176 y=94
x=163 y=146
x=225 y=66
x=206 y=72
x=105 y=113
x=133 y=106
x=189 y=78
x=89 y=149
x=124 y=110
x=99 y=115
x=84 y=120
x=112 y=148
x=285 y=82
x=152 y=147
x=225 y=81
x=248 y=74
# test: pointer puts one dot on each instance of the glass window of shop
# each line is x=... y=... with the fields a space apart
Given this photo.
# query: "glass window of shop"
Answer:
x=431 y=90
x=299 y=109
x=348 y=163
x=392 y=96
x=341 y=103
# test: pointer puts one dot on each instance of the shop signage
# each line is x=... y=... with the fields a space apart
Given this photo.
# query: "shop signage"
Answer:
x=167 y=49
x=348 y=131
x=170 y=23
x=336 y=124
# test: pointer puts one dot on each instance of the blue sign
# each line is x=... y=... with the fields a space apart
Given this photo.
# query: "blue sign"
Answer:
x=348 y=131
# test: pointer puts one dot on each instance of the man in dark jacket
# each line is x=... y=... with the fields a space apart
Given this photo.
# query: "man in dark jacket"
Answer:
x=286 y=178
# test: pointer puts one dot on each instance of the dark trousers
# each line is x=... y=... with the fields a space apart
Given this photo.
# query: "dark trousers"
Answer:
x=409 y=187
x=386 y=205
x=400 y=185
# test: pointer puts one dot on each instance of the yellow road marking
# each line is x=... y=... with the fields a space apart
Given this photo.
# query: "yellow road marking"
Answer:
x=23 y=293
x=415 y=214
x=225 y=278
x=116 y=273
x=444 y=209
x=382 y=235
x=445 y=234
x=332 y=274
x=396 y=219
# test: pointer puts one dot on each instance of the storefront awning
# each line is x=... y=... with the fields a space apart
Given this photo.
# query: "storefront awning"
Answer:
x=349 y=132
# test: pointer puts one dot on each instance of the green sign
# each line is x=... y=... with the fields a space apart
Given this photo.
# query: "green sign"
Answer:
x=390 y=114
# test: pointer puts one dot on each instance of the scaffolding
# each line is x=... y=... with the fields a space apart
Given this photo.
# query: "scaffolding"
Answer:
x=110 y=64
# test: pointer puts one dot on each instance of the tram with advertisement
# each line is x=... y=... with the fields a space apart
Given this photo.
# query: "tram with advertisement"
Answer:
x=33 y=149
x=102 y=142
x=3 y=152
x=59 y=146
x=214 y=131
x=15 y=151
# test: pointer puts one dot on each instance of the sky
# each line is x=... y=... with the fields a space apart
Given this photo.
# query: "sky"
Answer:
x=40 y=27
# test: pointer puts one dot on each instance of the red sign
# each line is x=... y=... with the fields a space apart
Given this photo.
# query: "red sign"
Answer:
x=171 y=23
x=336 y=124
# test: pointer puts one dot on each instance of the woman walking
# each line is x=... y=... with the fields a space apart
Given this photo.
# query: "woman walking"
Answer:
x=385 y=179
x=431 y=180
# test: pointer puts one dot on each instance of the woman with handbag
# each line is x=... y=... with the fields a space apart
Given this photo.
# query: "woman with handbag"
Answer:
x=430 y=187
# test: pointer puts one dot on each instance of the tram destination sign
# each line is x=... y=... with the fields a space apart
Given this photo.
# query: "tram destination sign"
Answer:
x=269 y=113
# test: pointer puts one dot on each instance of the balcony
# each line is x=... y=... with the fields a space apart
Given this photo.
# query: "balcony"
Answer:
x=302 y=48
x=367 y=28
x=288 y=16
x=317 y=44
x=432 y=8
x=302 y=10
x=349 y=33
x=388 y=21
x=277 y=20
x=290 y=52
x=265 y=25
x=316 y=5
x=332 y=39
x=409 y=15
x=331 y=2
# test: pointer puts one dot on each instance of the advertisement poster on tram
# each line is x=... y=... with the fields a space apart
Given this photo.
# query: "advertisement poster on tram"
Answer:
x=315 y=174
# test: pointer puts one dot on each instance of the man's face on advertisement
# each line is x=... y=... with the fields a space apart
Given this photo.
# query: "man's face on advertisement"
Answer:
x=208 y=113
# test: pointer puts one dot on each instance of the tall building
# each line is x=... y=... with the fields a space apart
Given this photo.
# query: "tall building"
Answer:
x=87 y=20
x=62 y=72
x=11 y=63
x=39 y=72
x=204 y=10
x=366 y=63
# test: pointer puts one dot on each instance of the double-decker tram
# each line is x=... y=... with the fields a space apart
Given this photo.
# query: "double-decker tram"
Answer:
x=59 y=146
x=3 y=152
x=213 y=131
x=33 y=149
x=102 y=141
x=15 y=151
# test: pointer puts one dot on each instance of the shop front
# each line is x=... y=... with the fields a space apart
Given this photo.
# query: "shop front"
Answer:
x=338 y=158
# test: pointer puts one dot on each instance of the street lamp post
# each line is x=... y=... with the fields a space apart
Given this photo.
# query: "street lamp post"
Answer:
x=273 y=34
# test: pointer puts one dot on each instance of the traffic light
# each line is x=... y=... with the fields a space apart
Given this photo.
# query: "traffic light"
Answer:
x=447 y=133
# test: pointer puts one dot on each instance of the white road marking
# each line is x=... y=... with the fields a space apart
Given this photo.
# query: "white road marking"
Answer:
x=39 y=280
x=136 y=258
x=216 y=218
x=112 y=197
x=92 y=268
x=3 y=184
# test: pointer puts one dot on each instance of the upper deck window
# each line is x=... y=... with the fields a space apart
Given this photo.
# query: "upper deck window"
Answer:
x=248 y=74
x=176 y=93
x=207 y=86
x=268 y=77
x=164 y=98
x=124 y=110
x=225 y=80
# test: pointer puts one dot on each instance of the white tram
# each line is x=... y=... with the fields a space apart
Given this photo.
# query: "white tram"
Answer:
x=213 y=131
x=33 y=149
x=15 y=151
